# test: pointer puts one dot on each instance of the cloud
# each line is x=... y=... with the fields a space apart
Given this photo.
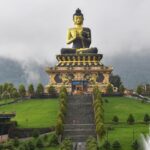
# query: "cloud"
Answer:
x=35 y=29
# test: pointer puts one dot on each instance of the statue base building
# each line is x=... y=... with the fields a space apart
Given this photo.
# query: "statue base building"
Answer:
x=79 y=73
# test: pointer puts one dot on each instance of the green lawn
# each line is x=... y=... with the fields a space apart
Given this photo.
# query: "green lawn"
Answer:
x=126 y=134
x=122 y=107
x=3 y=101
x=43 y=113
x=123 y=132
x=34 y=113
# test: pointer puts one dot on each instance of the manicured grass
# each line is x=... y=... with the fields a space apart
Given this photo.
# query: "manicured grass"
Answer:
x=43 y=113
x=3 y=101
x=35 y=113
x=122 y=107
x=126 y=134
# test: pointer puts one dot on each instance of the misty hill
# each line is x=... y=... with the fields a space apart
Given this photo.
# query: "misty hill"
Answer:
x=21 y=72
x=133 y=68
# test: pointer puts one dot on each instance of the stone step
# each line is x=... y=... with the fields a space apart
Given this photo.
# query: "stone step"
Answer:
x=79 y=138
x=79 y=121
x=79 y=132
x=79 y=104
x=78 y=126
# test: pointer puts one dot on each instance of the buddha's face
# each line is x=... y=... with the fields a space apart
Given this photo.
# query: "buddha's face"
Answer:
x=78 y=20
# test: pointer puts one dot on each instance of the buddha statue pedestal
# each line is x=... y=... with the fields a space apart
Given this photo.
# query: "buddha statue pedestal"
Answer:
x=86 y=69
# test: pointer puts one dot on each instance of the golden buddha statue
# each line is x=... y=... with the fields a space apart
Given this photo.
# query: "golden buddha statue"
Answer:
x=79 y=36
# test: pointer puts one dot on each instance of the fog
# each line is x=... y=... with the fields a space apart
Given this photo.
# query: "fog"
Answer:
x=35 y=30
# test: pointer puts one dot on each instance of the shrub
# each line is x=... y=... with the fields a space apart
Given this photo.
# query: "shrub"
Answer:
x=62 y=109
x=31 y=145
x=61 y=116
x=130 y=119
x=62 y=95
x=91 y=143
x=95 y=91
x=22 y=147
x=45 y=137
x=35 y=133
x=59 y=127
x=63 y=89
x=110 y=128
x=66 y=145
x=146 y=118
x=53 y=140
x=63 y=101
x=8 y=146
x=115 y=119
x=106 y=101
x=100 y=130
x=106 y=145
x=26 y=146
x=16 y=142
x=116 y=145
x=39 y=143
x=1 y=146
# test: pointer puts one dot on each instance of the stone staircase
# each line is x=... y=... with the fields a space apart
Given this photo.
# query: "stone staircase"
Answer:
x=79 y=121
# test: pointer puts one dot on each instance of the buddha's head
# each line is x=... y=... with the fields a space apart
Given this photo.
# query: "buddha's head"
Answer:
x=78 y=17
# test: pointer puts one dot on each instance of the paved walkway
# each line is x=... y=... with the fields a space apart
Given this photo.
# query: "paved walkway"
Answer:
x=3 y=138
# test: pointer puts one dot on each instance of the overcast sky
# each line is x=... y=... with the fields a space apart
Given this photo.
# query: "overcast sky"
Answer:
x=36 y=29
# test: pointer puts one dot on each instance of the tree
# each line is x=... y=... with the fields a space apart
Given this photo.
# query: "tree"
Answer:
x=14 y=93
x=135 y=145
x=52 y=90
x=139 y=89
x=53 y=140
x=115 y=119
x=91 y=143
x=39 y=143
x=1 y=89
x=35 y=133
x=5 y=86
x=130 y=119
x=31 y=90
x=10 y=87
x=31 y=145
x=146 y=118
x=121 y=89
x=40 y=89
x=5 y=95
x=109 y=89
x=115 y=80
x=16 y=142
x=116 y=145
x=59 y=127
x=100 y=129
x=106 y=145
x=22 y=90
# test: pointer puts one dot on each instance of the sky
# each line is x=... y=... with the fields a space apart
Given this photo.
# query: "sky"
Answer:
x=36 y=29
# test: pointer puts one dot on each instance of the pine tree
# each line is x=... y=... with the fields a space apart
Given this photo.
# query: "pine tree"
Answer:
x=31 y=90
